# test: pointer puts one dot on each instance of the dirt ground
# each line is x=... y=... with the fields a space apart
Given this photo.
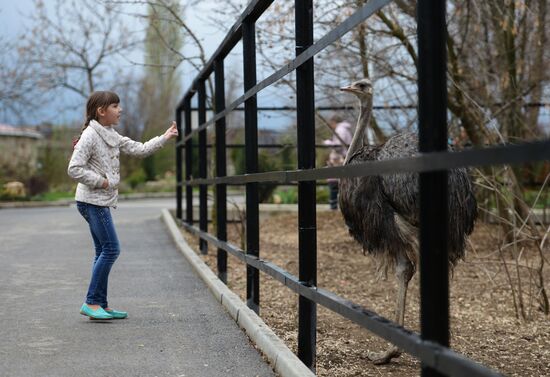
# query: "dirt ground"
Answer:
x=484 y=326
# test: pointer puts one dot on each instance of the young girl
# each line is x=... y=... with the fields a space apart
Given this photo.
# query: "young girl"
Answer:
x=95 y=165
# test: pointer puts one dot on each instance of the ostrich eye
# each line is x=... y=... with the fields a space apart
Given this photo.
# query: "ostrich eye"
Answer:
x=361 y=85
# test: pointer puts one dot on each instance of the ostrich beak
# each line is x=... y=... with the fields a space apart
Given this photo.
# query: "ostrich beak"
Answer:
x=348 y=89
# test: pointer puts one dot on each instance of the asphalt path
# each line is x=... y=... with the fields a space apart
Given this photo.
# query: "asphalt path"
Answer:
x=175 y=326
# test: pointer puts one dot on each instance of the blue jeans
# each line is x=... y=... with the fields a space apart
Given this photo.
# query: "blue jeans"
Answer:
x=106 y=250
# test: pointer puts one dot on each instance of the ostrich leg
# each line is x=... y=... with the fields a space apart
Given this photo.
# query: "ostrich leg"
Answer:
x=404 y=271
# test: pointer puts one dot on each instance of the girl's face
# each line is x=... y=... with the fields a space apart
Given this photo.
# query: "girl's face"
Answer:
x=110 y=115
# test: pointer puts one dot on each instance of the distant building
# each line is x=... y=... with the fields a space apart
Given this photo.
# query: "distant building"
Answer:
x=19 y=148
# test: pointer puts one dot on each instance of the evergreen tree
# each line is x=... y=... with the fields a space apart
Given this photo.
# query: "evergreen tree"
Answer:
x=160 y=85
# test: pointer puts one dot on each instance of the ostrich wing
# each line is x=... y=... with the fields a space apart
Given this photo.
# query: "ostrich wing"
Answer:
x=402 y=193
x=369 y=217
x=401 y=190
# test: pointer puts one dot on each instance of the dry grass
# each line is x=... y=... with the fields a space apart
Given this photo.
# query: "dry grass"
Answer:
x=483 y=322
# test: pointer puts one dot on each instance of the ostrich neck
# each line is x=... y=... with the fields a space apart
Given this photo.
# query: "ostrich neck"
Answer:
x=365 y=111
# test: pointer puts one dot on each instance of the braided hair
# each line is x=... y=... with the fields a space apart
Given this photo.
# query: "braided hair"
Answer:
x=99 y=99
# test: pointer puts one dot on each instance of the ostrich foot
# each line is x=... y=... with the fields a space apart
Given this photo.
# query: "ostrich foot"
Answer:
x=380 y=358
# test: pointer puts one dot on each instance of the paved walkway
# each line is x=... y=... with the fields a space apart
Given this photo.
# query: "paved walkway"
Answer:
x=175 y=326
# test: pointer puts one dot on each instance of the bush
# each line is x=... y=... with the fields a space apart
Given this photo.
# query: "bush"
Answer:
x=322 y=194
x=266 y=163
x=290 y=195
x=287 y=195
x=148 y=168
x=37 y=185
x=136 y=178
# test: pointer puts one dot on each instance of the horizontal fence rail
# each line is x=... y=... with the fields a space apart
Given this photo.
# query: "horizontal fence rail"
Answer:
x=374 y=107
x=269 y=146
x=430 y=347
x=513 y=154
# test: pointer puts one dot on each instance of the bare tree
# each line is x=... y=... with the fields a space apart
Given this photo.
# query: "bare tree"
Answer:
x=18 y=90
x=73 y=47
x=171 y=14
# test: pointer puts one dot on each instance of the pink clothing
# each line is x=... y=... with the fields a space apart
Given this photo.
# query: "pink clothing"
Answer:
x=338 y=153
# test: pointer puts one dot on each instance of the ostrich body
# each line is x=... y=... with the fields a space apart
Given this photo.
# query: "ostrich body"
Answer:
x=382 y=212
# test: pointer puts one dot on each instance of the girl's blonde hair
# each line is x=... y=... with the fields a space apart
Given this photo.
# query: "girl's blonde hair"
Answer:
x=95 y=101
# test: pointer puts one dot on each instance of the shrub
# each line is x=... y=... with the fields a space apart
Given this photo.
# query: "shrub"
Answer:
x=322 y=194
x=137 y=177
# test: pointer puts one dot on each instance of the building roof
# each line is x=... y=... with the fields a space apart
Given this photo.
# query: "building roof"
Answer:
x=7 y=130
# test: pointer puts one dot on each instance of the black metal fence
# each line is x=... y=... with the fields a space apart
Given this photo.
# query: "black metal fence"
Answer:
x=431 y=346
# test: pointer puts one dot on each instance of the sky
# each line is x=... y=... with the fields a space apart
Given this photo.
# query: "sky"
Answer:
x=10 y=16
x=13 y=23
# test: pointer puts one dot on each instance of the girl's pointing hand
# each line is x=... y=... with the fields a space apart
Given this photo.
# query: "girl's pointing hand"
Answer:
x=172 y=131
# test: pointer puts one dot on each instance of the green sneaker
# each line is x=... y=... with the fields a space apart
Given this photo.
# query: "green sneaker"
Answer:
x=116 y=314
x=95 y=314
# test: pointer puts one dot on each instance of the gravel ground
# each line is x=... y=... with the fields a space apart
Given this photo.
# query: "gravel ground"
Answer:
x=484 y=326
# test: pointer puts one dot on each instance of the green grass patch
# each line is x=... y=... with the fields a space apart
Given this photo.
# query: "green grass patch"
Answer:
x=53 y=196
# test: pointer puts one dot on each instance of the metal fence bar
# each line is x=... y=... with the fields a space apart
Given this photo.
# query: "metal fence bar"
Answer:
x=434 y=219
x=251 y=165
x=377 y=107
x=188 y=163
x=179 y=165
x=221 y=170
x=334 y=108
x=436 y=358
x=274 y=146
x=512 y=154
x=307 y=226
x=435 y=355
x=253 y=10
x=203 y=158
x=320 y=182
x=352 y=21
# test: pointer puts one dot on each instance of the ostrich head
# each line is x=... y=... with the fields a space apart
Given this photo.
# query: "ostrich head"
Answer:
x=363 y=90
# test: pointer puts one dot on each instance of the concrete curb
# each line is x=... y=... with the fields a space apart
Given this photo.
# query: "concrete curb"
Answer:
x=284 y=361
x=30 y=204
x=68 y=202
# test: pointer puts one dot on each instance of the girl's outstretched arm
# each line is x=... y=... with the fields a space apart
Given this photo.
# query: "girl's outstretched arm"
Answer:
x=135 y=148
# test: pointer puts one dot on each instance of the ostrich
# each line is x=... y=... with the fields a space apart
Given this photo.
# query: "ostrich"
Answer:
x=382 y=212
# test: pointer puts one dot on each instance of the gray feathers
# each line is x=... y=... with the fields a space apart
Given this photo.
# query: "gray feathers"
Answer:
x=382 y=212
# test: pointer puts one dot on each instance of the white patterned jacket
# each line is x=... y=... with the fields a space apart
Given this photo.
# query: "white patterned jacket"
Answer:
x=96 y=158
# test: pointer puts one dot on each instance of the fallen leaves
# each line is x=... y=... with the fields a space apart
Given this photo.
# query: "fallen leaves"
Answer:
x=483 y=323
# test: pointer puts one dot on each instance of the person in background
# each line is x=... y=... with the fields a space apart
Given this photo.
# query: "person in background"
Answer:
x=341 y=139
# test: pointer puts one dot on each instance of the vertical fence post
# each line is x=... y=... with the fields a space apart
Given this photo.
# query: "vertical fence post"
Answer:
x=203 y=158
x=432 y=119
x=221 y=171
x=307 y=233
x=251 y=155
x=188 y=163
x=179 y=183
